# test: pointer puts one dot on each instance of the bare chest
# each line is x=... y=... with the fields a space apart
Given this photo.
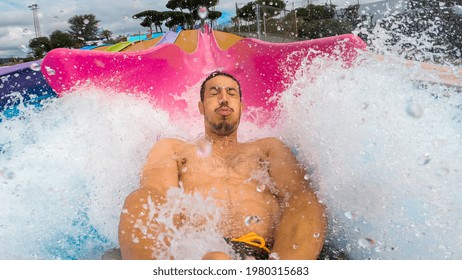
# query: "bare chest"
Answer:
x=239 y=162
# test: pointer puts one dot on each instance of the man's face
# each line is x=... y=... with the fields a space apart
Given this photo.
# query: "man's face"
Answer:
x=222 y=105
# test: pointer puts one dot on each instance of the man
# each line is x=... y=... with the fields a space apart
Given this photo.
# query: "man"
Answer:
x=290 y=222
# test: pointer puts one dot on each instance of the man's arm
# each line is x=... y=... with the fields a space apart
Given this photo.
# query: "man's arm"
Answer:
x=301 y=231
x=138 y=230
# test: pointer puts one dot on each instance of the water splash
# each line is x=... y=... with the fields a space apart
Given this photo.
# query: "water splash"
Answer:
x=374 y=161
x=187 y=241
x=381 y=148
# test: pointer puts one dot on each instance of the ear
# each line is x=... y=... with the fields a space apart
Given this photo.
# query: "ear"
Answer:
x=200 y=105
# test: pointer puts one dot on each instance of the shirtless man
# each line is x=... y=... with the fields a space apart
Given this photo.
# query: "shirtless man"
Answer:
x=291 y=222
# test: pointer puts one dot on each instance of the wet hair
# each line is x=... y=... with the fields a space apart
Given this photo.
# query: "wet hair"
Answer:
x=215 y=74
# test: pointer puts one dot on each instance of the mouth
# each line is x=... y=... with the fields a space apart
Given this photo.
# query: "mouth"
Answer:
x=224 y=111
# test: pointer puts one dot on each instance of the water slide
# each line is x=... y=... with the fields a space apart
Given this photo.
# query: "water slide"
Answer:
x=168 y=38
x=118 y=47
x=22 y=83
x=262 y=68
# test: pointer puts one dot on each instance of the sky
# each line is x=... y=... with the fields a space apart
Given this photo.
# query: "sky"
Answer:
x=17 y=25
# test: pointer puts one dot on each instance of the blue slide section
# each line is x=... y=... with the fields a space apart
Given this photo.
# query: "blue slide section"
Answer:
x=169 y=37
x=22 y=83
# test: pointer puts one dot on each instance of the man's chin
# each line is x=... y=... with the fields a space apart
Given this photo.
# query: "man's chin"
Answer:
x=223 y=128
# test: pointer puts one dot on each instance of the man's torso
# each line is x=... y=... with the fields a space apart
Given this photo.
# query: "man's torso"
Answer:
x=237 y=178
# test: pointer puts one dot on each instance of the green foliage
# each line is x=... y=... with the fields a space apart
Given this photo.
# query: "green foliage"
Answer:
x=151 y=17
x=323 y=28
x=40 y=46
x=59 y=39
x=107 y=34
x=316 y=12
x=319 y=21
x=178 y=18
x=84 y=27
x=213 y=15
x=425 y=27
x=247 y=12
x=184 y=13
x=268 y=8
x=191 y=5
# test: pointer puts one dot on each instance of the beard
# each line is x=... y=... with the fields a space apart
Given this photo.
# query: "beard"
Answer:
x=223 y=128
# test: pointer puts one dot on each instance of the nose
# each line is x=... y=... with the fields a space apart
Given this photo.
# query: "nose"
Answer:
x=223 y=96
x=223 y=101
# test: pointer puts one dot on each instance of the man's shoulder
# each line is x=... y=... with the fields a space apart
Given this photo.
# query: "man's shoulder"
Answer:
x=169 y=143
x=269 y=142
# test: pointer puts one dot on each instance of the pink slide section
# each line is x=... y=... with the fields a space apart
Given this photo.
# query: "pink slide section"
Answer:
x=166 y=71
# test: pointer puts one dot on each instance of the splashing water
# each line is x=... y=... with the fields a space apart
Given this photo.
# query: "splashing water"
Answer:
x=374 y=160
x=381 y=149
x=197 y=235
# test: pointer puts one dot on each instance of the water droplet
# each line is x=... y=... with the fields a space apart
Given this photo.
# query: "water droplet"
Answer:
x=86 y=21
x=414 y=110
x=349 y=215
x=50 y=71
x=274 y=256
x=25 y=30
x=379 y=248
x=316 y=235
x=9 y=175
x=24 y=49
x=278 y=28
x=203 y=148
x=443 y=171
x=261 y=187
x=251 y=220
x=390 y=249
x=306 y=177
x=195 y=59
x=366 y=242
x=425 y=159
x=295 y=246
x=35 y=66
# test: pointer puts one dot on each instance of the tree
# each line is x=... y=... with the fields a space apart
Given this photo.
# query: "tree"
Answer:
x=174 y=18
x=426 y=30
x=177 y=16
x=247 y=12
x=319 y=21
x=84 y=27
x=59 y=39
x=151 y=17
x=193 y=6
x=268 y=9
x=107 y=34
x=40 y=46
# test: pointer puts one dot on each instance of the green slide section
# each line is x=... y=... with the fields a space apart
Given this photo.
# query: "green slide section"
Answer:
x=118 y=47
